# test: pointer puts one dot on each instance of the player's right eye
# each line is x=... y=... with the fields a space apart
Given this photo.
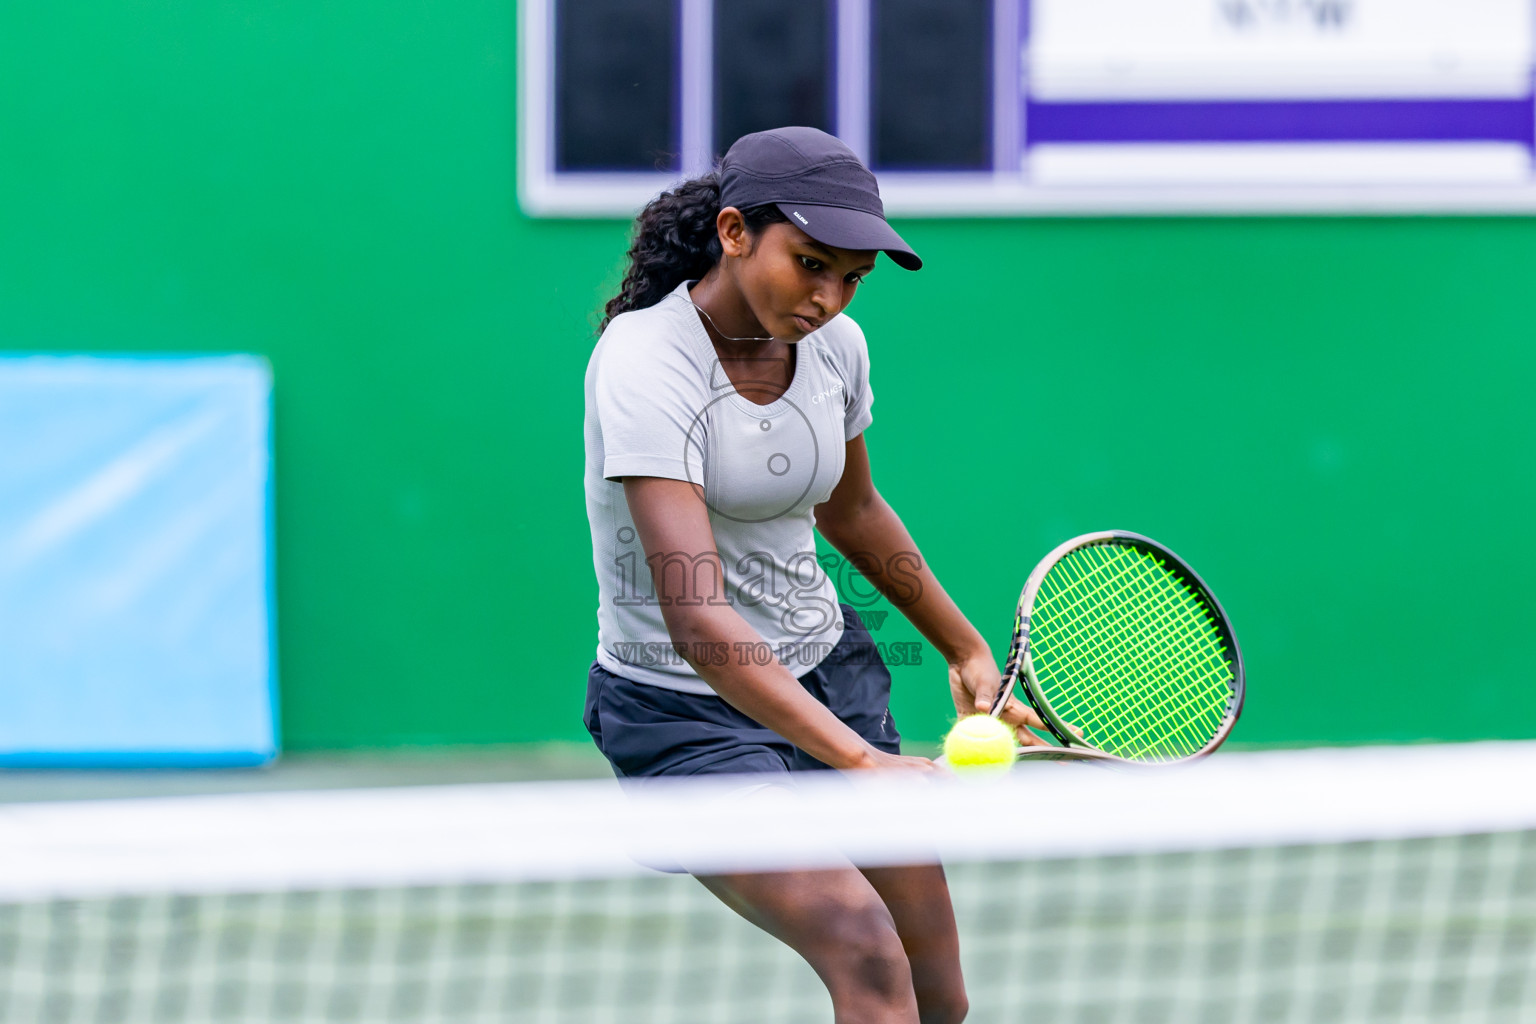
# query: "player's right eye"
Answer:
x=809 y=264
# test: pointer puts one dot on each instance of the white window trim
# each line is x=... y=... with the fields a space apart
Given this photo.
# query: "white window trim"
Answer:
x=1004 y=191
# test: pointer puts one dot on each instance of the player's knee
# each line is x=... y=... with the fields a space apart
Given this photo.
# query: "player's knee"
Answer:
x=865 y=953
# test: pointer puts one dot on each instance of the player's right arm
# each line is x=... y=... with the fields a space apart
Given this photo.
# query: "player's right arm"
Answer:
x=673 y=523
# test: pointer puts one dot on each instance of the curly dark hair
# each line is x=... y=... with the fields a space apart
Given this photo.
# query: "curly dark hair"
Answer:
x=676 y=241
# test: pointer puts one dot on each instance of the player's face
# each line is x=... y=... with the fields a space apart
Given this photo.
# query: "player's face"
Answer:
x=794 y=284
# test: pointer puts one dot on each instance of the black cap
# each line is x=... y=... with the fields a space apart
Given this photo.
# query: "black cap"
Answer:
x=818 y=183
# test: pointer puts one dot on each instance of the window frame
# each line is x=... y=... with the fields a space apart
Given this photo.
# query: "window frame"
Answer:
x=1004 y=190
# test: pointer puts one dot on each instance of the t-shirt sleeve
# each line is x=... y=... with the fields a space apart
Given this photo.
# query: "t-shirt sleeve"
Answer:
x=650 y=399
x=857 y=397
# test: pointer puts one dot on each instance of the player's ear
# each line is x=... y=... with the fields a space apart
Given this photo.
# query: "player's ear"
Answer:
x=732 y=228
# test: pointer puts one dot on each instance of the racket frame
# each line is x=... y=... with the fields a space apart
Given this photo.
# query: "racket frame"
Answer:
x=1020 y=666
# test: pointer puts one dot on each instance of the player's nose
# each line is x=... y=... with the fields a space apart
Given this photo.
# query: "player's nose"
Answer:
x=828 y=299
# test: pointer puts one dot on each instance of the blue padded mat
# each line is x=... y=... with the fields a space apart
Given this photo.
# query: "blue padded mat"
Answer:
x=135 y=562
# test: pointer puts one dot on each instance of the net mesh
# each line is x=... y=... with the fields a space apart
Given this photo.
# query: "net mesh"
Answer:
x=1124 y=650
x=1429 y=930
x=1423 y=929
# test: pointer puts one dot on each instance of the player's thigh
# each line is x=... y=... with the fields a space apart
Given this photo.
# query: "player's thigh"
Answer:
x=834 y=918
x=918 y=900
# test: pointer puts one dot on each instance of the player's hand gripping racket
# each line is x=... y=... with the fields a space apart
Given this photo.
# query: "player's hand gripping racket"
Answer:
x=1125 y=654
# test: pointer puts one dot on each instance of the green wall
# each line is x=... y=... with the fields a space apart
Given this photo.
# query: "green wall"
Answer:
x=1323 y=415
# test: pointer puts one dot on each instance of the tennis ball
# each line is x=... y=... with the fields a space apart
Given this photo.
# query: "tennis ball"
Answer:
x=980 y=743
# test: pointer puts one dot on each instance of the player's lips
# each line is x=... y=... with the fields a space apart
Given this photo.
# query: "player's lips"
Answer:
x=808 y=325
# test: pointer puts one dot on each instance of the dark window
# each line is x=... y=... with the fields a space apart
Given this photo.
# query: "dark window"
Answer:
x=931 y=84
x=615 y=85
x=773 y=66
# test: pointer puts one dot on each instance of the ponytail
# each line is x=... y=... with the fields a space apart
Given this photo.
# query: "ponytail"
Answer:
x=676 y=241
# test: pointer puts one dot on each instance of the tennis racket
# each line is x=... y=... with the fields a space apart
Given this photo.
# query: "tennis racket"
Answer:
x=1124 y=653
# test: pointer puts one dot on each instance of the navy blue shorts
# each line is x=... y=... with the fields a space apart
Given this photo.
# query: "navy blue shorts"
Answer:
x=649 y=730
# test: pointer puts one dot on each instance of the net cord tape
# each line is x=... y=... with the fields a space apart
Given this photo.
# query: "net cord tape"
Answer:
x=431 y=835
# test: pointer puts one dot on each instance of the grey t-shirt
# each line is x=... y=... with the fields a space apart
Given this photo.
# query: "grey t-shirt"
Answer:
x=659 y=403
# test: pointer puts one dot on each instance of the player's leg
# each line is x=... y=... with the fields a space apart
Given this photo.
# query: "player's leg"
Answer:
x=838 y=922
x=854 y=682
x=918 y=899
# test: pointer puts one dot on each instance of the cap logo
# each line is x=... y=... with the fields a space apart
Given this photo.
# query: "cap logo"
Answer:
x=802 y=220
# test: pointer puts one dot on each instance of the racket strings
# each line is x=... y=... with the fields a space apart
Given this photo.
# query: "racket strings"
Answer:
x=1129 y=653
x=1150 y=722
x=1169 y=724
x=1077 y=691
x=1155 y=707
x=1164 y=725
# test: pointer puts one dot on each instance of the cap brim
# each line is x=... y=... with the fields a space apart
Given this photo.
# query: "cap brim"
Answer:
x=843 y=228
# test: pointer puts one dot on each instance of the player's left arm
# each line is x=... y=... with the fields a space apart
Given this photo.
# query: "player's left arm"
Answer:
x=860 y=524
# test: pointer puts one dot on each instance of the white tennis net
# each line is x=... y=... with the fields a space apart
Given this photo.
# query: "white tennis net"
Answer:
x=1377 y=884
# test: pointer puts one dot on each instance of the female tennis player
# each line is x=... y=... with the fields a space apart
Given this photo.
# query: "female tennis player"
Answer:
x=726 y=402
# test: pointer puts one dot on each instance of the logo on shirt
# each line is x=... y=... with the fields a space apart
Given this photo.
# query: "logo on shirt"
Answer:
x=818 y=398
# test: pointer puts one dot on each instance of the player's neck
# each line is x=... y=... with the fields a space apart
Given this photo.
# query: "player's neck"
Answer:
x=727 y=318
